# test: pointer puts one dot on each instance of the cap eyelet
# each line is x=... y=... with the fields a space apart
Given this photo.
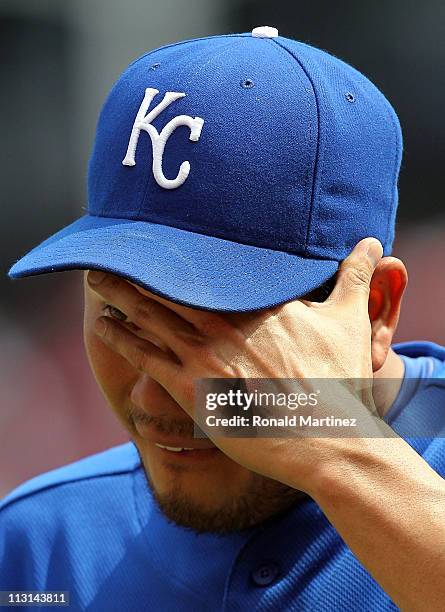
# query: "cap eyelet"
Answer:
x=155 y=66
x=247 y=84
x=350 y=97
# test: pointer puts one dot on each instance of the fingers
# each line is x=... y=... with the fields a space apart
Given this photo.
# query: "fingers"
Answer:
x=141 y=354
x=147 y=314
x=207 y=323
x=355 y=272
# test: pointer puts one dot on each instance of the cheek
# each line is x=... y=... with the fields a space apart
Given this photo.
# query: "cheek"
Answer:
x=114 y=375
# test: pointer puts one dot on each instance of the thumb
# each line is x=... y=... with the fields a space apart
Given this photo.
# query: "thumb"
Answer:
x=355 y=272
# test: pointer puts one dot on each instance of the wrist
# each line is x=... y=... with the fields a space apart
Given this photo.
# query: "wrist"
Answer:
x=373 y=471
x=351 y=468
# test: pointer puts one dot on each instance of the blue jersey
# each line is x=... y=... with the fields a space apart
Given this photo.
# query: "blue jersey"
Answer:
x=93 y=529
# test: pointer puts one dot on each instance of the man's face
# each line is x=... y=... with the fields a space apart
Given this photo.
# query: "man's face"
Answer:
x=202 y=489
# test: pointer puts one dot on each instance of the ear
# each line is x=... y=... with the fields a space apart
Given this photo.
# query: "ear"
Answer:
x=385 y=297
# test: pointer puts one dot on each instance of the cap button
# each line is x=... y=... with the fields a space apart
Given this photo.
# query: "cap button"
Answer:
x=265 y=32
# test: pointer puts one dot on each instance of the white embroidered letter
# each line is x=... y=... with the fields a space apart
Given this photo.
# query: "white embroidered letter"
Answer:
x=143 y=122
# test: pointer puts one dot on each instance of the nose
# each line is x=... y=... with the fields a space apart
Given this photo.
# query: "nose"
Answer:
x=151 y=397
x=144 y=392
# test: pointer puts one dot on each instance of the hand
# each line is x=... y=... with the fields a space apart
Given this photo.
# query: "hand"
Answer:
x=300 y=339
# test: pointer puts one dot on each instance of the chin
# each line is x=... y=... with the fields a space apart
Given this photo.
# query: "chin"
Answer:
x=220 y=499
x=210 y=483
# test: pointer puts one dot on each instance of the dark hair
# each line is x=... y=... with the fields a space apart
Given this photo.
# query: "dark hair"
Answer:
x=321 y=293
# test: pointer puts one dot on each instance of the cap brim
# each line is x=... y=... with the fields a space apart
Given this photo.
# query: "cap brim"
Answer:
x=193 y=269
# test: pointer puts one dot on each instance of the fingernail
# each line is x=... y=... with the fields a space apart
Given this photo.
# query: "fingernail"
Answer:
x=95 y=277
x=375 y=251
x=100 y=327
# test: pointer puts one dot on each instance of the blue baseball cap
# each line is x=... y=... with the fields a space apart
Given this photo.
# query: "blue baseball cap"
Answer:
x=233 y=173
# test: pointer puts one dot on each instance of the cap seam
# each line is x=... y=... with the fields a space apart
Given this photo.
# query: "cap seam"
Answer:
x=394 y=181
x=317 y=151
x=180 y=42
x=221 y=51
x=200 y=230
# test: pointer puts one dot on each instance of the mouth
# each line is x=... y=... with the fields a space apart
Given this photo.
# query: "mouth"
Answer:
x=173 y=438
x=187 y=453
x=173 y=449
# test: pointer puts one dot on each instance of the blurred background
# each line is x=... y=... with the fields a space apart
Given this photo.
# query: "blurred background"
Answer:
x=58 y=61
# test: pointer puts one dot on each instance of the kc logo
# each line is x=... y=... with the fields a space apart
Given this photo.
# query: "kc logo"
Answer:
x=143 y=122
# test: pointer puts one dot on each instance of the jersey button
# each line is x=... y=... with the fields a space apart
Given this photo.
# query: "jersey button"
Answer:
x=265 y=574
